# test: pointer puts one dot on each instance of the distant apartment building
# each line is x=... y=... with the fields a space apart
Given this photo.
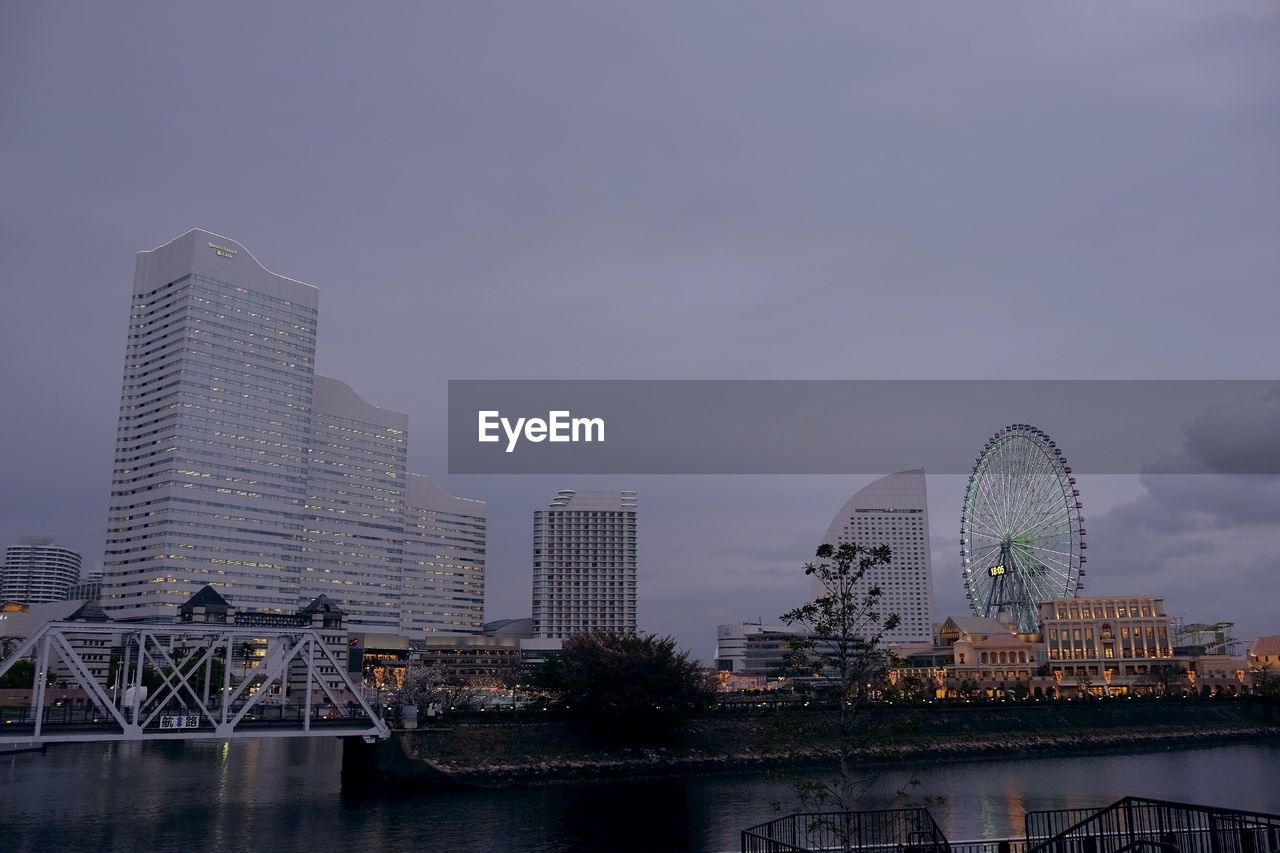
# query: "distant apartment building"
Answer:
x=36 y=571
x=753 y=648
x=88 y=588
x=893 y=511
x=584 y=564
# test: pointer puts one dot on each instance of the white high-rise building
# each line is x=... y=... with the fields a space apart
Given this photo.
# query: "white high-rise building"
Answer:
x=353 y=527
x=37 y=571
x=443 y=565
x=215 y=422
x=584 y=564
x=893 y=511
x=236 y=466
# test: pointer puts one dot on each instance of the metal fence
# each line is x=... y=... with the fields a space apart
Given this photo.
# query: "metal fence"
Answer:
x=991 y=845
x=889 y=831
x=1152 y=826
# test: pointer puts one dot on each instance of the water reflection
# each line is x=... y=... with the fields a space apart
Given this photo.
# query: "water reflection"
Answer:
x=286 y=794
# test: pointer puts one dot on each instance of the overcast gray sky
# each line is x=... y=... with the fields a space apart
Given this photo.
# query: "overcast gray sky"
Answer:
x=711 y=190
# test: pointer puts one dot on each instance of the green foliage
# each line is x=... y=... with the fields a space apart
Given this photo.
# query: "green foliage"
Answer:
x=843 y=628
x=20 y=675
x=626 y=688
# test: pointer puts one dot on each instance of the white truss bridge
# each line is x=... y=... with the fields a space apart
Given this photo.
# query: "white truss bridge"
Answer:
x=299 y=690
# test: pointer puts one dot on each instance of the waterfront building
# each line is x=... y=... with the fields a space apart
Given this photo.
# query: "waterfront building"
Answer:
x=1265 y=652
x=972 y=655
x=1101 y=646
x=353 y=527
x=1116 y=642
x=215 y=422
x=237 y=467
x=36 y=571
x=988 y=650
x=443 y=561
x=753 y=648
x=490 y=660
x=893 y=511
x=584 y=564
x=208 y=607
x=1264 y=664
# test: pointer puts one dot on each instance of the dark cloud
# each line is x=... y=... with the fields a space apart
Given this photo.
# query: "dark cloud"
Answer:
x=1240 y=437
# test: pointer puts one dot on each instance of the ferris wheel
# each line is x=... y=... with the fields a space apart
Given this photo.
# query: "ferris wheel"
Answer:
x=1021 y=530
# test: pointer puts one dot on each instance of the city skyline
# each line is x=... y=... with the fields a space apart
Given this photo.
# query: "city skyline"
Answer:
x=718 y=191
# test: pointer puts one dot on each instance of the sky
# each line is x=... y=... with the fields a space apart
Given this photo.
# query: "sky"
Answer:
x=673 y=190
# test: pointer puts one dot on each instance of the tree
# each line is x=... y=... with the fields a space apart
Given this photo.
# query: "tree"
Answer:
x=626 y=688
x=840 y=647
x=1166 y=676
x=21 y=674
x=433 y=684
x=1264 y=678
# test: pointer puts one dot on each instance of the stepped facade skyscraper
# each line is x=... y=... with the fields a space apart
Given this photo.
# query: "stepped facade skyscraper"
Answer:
x=893 y=511
x=236 y=465
x=584 y=564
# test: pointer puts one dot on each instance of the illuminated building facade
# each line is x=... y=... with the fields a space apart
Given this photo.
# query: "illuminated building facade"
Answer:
x=353 y=526
x=238 y=467
x=1117 y=633
x=442 y=589
x=584 y=564
x=893 y=511
x=215 y=422
x=1116 y=646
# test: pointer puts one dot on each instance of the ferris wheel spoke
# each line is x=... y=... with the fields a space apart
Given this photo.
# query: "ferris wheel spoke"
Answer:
x=1019 y=508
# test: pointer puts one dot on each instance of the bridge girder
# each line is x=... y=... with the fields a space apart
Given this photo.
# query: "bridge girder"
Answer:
x=296 y=656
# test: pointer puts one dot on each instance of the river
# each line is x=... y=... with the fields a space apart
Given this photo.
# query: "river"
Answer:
x=286 y=794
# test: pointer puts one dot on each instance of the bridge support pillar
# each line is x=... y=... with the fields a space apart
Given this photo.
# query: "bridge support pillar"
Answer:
x=384 y=765
x=360 y=763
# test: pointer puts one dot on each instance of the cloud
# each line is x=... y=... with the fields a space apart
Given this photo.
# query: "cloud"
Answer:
x=1208 y=541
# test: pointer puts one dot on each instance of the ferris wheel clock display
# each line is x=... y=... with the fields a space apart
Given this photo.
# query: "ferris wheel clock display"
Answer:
x=1022 y=528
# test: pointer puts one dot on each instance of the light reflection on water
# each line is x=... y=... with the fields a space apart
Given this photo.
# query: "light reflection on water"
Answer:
x=286 y=794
